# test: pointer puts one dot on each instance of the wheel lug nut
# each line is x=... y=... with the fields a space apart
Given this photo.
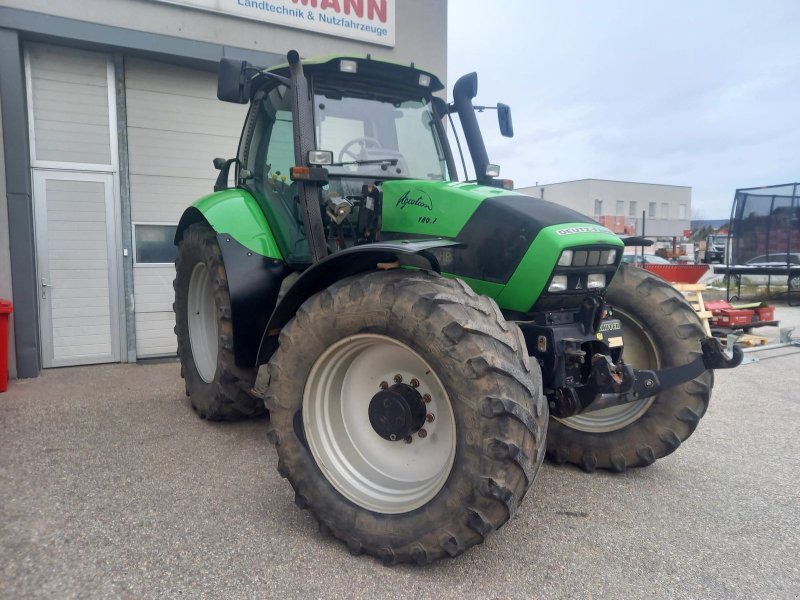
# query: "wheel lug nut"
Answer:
x=422 y=433
x=383 y=385
x=427 y=398
x=408 y=439
x=430 y=417
x=415 y=382
x=398 y=378
x=392 y=437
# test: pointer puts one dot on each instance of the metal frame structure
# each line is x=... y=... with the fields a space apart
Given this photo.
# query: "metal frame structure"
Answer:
x=735 y=266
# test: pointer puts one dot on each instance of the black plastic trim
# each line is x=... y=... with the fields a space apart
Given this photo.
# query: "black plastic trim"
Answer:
x=253 y=284
x=345 y=263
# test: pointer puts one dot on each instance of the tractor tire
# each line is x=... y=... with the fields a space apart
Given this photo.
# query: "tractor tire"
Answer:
x=218 y=389
x=659 y=329
x=437 y=490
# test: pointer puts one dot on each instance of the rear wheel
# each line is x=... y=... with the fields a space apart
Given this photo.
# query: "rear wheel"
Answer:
x=660 y=329
x=219 y=390
x=406 y=414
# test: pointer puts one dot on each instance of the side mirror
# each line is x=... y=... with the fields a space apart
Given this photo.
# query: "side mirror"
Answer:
x=440 y=108
x=504 y=119
x=233 y=83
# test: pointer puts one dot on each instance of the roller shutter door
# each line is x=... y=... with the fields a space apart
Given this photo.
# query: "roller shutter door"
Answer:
x=176 y=126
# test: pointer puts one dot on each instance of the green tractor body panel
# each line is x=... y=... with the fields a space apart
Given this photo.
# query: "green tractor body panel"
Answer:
x=237 y=213
x=531 y=276
x=511 y=242
x=431 y=208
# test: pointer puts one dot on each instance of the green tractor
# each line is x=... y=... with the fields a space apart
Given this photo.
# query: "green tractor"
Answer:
x=420 y=343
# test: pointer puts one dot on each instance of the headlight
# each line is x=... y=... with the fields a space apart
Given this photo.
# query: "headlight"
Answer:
x=558 y=284
x=565 y=259
x=596 y=280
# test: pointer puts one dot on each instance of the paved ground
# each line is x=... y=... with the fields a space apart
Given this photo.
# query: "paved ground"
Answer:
x=111 y=487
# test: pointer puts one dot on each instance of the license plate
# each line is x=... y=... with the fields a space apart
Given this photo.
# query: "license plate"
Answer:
x=610 y=333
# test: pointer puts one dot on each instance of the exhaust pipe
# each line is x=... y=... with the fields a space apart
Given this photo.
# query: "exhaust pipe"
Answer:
x=465 y=89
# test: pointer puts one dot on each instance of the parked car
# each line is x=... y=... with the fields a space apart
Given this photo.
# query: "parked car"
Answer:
x=776 y=261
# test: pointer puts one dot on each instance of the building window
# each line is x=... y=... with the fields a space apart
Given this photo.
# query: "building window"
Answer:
x=664 y=210
x=651 y=210
x=632 y=208
x=598 y=207
x=682 y=212
x=620 y=208
x=153 y=244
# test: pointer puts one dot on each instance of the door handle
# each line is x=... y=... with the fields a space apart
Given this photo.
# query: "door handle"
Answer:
x=45 y=285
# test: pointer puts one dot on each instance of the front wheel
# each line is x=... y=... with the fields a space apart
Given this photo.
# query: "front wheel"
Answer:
x=660 y=330
x=406 y=414
x=217 y=387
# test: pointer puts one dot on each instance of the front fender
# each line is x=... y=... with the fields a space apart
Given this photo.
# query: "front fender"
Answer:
x=236 y=213
x=253 y=264
x=346 y=263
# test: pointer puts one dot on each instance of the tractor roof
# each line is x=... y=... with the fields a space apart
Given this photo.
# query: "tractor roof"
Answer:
x=372 y=68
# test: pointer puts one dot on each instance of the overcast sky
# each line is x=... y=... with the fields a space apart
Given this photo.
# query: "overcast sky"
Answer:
x=705 y=94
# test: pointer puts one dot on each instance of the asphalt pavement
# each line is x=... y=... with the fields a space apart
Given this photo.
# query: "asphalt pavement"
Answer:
x=110 y=486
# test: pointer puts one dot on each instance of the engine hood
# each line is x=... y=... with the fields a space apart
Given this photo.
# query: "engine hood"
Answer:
x=509 y=239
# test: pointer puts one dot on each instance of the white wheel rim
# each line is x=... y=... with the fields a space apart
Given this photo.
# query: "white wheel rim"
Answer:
x=384 y=476
x=202 y=316
x=639 y=353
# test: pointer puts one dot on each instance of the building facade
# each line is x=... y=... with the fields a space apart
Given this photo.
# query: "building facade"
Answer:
x=624 y=206
x=109 y=123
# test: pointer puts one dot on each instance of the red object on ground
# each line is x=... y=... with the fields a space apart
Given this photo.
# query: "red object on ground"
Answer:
x=716 y=305
x=732 y=317
x=678 y=273
x=5 y=309
x=765 y=313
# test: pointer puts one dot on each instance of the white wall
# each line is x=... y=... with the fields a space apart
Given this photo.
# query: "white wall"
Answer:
x=581 y=195
x=574 y=195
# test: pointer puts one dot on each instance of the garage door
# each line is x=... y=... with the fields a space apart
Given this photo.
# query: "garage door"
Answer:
x=176 y=127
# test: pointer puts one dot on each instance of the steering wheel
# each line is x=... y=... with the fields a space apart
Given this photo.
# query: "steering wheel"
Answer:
x=363 y=143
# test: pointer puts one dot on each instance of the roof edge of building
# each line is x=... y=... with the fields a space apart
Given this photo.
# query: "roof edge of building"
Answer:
x=597 y=179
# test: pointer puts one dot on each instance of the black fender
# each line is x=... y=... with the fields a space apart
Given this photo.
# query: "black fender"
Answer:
x=190 y=216
x=254 y=282
x=346 y=263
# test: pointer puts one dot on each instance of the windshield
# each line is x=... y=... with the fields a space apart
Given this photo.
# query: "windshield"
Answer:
x=382 y=138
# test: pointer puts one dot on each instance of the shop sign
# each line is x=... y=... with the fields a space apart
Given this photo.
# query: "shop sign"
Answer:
x=363 y=20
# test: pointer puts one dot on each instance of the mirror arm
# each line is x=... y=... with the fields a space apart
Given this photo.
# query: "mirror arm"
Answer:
x=224 y=168
x=269 y=75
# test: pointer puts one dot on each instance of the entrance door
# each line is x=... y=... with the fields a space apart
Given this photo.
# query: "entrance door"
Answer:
x=78 y=280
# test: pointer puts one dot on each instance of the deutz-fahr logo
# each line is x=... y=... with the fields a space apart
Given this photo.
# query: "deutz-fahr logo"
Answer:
x=415 y=198
x=587 y=229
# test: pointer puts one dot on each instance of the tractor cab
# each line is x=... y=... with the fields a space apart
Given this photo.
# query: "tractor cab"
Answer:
x=365 y=122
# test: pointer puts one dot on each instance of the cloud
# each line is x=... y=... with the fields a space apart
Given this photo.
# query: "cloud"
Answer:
x=700 y=94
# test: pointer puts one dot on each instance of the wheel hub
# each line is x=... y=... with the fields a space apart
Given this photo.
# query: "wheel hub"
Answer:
x=397 y=412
